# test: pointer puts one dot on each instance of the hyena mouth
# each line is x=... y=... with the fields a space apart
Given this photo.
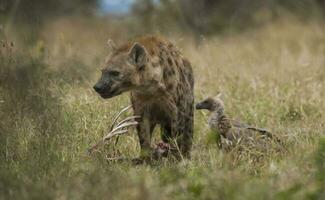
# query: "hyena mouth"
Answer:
x=110 y=94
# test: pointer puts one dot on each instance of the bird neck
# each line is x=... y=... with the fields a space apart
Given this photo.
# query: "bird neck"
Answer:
x=223 y=121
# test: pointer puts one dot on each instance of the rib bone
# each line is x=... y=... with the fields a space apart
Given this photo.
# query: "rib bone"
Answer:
x=117 y=128
x=118 y=115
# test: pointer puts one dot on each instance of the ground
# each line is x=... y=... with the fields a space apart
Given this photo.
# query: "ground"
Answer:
x=272 y=77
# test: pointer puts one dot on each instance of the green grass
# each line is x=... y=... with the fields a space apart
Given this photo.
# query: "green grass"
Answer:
x=273 y=77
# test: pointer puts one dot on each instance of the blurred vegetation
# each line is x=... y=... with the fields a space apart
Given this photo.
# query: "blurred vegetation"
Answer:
x=29 y=16
x=208 y=17
x=39 y=11
x=320 y=173
x=271 y=72
x=204 y=17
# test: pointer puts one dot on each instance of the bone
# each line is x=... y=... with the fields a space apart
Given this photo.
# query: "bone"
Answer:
x=116 y=129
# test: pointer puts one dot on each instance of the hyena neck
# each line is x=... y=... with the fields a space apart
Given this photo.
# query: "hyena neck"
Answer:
x=218 y=120
x=152 y=90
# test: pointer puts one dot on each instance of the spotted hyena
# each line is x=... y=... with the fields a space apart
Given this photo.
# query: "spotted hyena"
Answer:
x=161 y=83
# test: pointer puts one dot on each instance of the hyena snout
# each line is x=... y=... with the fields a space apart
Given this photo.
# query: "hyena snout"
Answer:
x=107 y=90
x=99 y=87
x=104 y=90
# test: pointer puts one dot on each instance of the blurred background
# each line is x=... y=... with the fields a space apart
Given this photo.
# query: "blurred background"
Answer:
x=134 y=17
x=266 y=56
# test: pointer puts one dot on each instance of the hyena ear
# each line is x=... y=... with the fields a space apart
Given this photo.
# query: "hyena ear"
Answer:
x=138 y=55
x=111 y=44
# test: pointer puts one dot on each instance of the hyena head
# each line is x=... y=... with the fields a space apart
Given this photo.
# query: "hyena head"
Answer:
x=122 y=71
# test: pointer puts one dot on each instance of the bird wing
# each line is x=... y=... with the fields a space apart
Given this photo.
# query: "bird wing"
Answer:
x=239 y=124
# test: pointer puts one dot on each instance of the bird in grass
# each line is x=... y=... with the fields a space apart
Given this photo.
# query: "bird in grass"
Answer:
x=230 y=132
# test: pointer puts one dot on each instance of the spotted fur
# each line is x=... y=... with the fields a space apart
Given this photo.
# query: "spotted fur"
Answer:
x=161 y=83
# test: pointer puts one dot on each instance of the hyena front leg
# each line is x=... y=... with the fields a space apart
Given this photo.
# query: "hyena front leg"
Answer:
x=166 y=132
x=144 y=129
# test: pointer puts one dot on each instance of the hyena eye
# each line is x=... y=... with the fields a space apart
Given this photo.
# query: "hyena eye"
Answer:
x=114 y=73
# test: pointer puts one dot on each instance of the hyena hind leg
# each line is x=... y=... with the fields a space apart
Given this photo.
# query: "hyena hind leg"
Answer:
x=186 y=132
